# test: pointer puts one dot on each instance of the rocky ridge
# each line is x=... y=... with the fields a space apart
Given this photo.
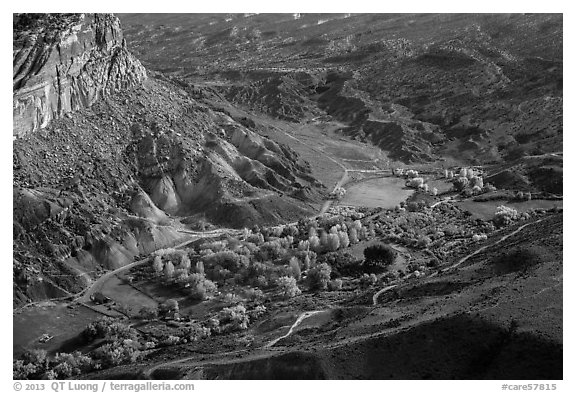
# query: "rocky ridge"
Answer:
x=62 y=67
x=119 y=173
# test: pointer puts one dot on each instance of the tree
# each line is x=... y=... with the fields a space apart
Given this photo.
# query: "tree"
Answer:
x=353 y=235
x=344 y=240
x=288 y=287
x=333 y=242
x=315 y=243
x=460 y=183
x=319 y=276
x=295 y=268
x=323 y=239
x=304 y=245
x=307 y=262
x=185 y=262
x=200 y=267
x=378 y=257
x=171 y=305
x=157 y=264
x=168 y=269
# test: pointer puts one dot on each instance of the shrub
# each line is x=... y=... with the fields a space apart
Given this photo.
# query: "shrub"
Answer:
x=424 y=242
x=228 y=260
x=256 y=312
x=479 y=237
x=304 y=245
x=460 y=183
x=378 y=257
x=107 y=328
x=368 y=280
x=114 y=354
x=319 y=276
x=504 y=215
x=148 y=312
x=488 y=188
x=519 y=259
x=253 y=294
x=201 y=288
x=233 y=318
x=416 y=182
x=33 y=363
x=270 y=250
x=335 y=285
x=288 y=287
x=71 y=364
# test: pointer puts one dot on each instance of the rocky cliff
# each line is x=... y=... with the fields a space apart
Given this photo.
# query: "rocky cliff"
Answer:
x=134 y=165
x=64 y=62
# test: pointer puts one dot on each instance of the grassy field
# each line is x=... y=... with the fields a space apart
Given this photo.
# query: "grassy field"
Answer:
x=486 y=210
x=385 y=192
x=123 y=293
x=54 y=319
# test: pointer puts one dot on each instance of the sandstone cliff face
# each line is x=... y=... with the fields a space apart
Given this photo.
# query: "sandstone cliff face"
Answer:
x=57 y=71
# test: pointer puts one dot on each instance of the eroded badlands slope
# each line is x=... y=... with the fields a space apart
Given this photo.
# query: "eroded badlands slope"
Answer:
x=110 y=161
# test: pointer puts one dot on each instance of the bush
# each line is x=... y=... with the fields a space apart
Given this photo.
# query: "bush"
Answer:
x=378 y=257
x=114 y=354
x=368 y=280
x=460 y=183
x=424 y=242
x=288 y=287
x=233 y=319
x=504 y=215
x=228 y=260
x=201 y=288
x=335 y=285
x=253 y=294
x=147 y=312
x=319 y=276
x=71 y=364
x=519 y=259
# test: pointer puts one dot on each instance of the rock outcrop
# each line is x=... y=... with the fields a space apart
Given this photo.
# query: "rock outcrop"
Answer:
x=66 y=62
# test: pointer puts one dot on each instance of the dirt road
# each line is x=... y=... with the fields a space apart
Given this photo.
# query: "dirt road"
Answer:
x=461 y=260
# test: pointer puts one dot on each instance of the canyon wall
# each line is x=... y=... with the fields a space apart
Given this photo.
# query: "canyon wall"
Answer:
x=67 y=63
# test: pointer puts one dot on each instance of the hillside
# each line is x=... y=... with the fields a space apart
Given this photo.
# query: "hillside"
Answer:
x=288 y=196
x=115 y=161
x=475 y=88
